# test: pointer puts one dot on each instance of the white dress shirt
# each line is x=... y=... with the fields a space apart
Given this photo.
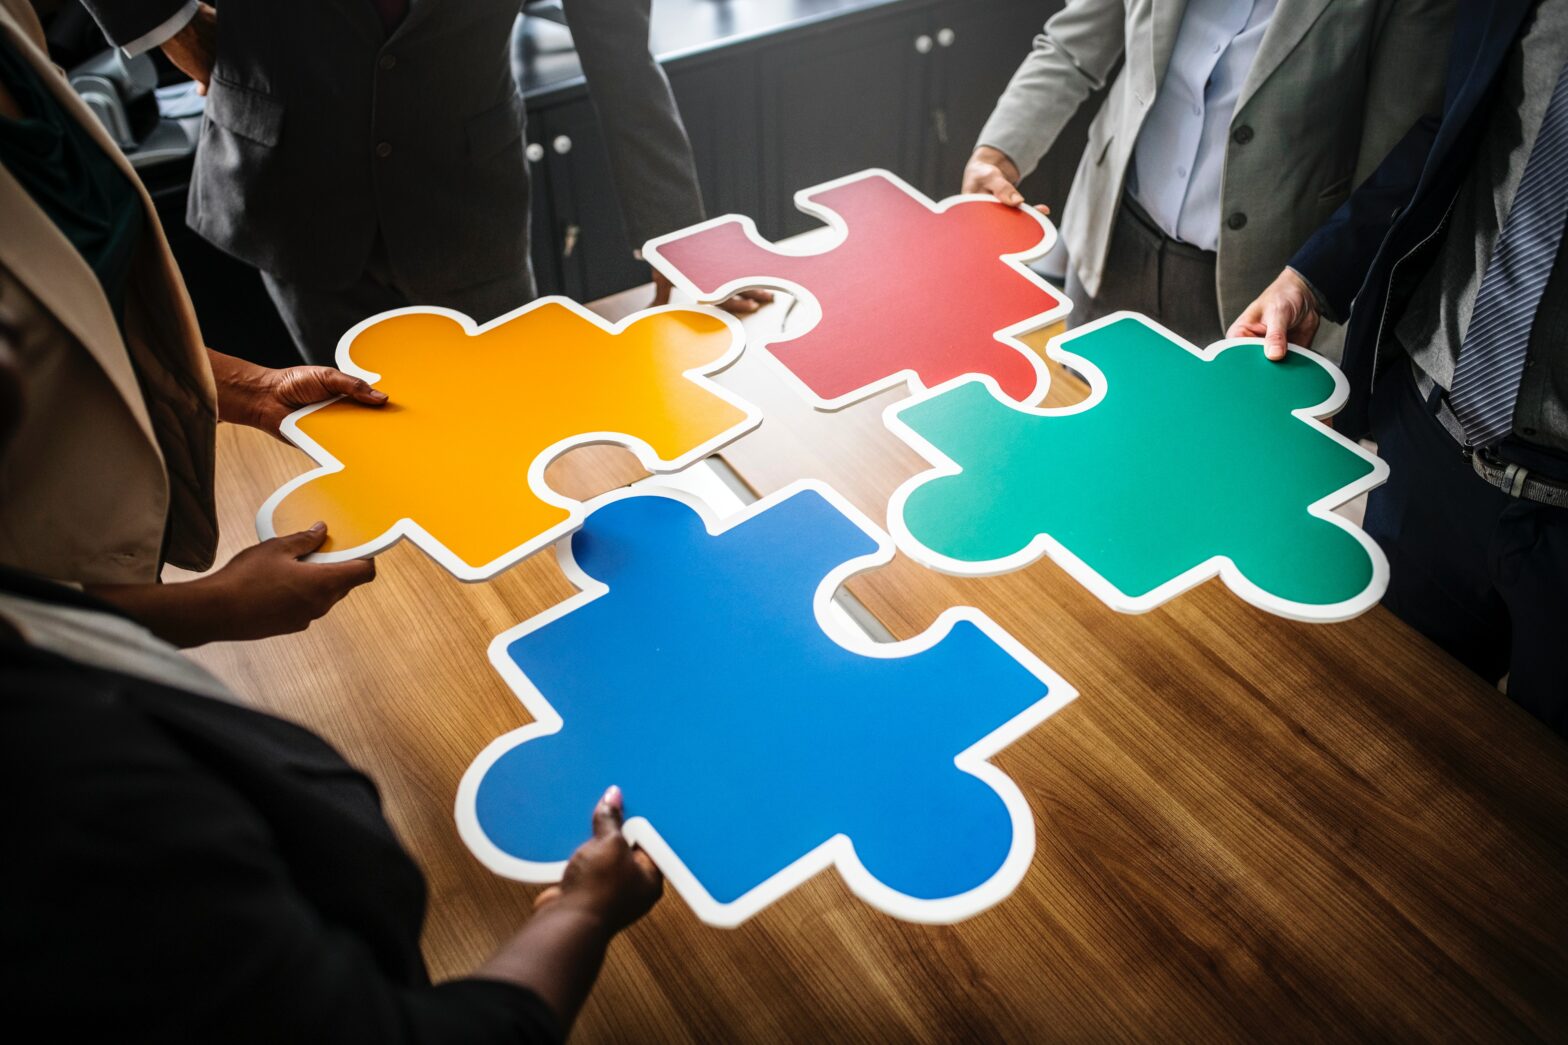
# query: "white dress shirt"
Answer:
x=163 y=32
x=1180 y=155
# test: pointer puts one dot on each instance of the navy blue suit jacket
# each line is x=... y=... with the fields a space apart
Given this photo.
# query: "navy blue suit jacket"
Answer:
x=1367 y=260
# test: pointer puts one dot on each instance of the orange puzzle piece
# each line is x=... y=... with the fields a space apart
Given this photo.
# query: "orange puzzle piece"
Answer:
x=456 y=460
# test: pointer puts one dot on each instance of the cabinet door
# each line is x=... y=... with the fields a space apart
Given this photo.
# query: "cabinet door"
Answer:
x=979 y=44
x=718 y=104
x=838 y=100
x=588 y=238
x=542 y=236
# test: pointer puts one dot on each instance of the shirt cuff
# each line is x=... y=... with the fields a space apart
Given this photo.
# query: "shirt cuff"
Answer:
x=163 y=33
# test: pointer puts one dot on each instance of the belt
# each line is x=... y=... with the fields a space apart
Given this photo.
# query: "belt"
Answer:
x=1146 y=224
x=1513 y=479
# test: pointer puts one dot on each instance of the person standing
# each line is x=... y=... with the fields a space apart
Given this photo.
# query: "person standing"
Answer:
x=112 y=473
x=1233 y=129
x=1451 y=265
x=369 y=154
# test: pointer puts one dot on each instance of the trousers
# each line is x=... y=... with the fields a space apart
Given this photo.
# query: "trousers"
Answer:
x=1146 y=271
x=1482 y=574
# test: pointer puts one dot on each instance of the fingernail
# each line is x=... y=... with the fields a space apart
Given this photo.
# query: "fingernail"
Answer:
x=378 y=395
x=612 y=795
x=319 y=527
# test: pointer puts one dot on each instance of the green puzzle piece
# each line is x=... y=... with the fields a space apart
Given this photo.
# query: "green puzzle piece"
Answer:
x=1183 y=464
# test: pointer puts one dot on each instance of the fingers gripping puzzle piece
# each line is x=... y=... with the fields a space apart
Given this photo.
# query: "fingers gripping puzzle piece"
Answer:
x=913 y=289
x=753 y=748
x=1183 y=464
x=456 y=460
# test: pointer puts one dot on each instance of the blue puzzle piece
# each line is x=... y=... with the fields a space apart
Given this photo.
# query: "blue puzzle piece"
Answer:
x=755 y=748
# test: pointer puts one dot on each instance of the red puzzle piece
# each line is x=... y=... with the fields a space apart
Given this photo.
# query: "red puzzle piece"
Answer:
x=913 y=290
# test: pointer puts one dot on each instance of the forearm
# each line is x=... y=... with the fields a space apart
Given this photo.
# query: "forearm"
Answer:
x=557 y=955
x=240 y=385
x=1404 y=76
x=182 y=614
x=1071 y=59
x=651 y=158
x=1336 y=258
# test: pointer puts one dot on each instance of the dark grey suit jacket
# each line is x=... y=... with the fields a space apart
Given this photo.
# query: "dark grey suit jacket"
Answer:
x=322 y=130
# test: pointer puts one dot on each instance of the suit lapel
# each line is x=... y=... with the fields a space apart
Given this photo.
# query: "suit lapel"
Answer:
x=418 y=11
x=42 y=259
x=1290 y=23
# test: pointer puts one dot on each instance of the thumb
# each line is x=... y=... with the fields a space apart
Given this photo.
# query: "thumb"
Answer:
x=1276 y=325
x=607 y=814
x=336 y=382
x=298 y=545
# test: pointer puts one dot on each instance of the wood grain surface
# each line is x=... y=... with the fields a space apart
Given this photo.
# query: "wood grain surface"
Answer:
x=1247 y=827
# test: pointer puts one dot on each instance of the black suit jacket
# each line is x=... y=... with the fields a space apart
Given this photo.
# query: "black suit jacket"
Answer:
x=1367 y=261
x=323 y=131
x=182 y=869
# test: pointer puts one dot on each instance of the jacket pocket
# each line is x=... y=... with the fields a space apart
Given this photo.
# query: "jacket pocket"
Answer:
x=494 y=129
x=250 y=114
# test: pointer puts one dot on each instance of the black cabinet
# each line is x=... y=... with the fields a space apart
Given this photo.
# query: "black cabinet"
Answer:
x=580 y=245
x=977 y=48
x=837 y=101
x=904 y=86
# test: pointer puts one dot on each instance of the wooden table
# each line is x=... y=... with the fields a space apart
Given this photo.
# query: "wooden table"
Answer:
x=1248 y=828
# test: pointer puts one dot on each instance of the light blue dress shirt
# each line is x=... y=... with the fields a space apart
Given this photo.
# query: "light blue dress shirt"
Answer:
x=1180 y=154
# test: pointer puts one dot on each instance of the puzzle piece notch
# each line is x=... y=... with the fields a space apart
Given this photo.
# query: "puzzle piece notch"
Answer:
x=456 y=459
x=910 y=288
x=797 y=740
x=1146 y=516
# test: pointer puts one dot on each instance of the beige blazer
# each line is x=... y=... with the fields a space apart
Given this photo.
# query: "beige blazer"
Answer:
x=111 y=472
x=1336 y=83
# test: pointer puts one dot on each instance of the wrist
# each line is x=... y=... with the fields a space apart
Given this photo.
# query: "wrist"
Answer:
x=1308 y=291
x=582 y=918
x=242 y=387
x=998 y=159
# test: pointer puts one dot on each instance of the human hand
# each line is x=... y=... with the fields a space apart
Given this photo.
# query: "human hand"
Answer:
x=266 y=590
x=194 y=49
x=607 y=879
x=991 y=172
x=1286 y=313
x=742 y=304
x=261 y=398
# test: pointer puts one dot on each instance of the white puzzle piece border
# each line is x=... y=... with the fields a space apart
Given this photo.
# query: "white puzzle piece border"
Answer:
x=1216 y=566
x=417 y=534
x=811 y=308
x=837 y=851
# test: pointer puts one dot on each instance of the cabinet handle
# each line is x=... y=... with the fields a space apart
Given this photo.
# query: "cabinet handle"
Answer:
x=569 y=244
x=534 y=152
x=562 y=145
x=945 y=37
x=923 y=43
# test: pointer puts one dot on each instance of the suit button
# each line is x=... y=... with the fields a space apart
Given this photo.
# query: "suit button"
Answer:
x=1241 y=135
x=384 y=149
x=1237 y=220
x=388 y=62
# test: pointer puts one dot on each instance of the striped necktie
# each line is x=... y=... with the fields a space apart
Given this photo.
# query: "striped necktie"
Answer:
x=1491 y=360
x=391 y=12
